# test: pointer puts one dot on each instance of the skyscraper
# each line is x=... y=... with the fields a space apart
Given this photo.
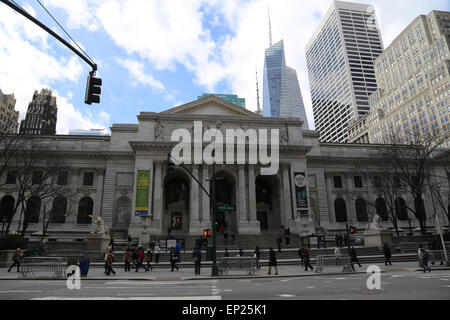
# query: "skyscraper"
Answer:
x=9 y=117
x=340 y=58
x=282 y=95
x=232 y=98
x=41 y=114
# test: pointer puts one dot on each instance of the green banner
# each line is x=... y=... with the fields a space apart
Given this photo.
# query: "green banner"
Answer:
x=142 y=190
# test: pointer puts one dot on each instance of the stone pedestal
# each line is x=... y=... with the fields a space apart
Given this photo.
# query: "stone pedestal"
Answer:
x=97 y=243
x=377 y=238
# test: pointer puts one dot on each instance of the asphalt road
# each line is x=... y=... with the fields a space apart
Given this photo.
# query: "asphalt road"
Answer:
x=394 y=285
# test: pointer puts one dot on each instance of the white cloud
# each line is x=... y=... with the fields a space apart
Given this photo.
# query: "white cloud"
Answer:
x=138 y=74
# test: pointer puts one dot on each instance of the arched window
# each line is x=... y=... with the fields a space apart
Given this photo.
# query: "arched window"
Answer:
x=340 y=210
x=380 y=206
x=85 y=208
x=400 y=209
x=6 y=207
x=33 y=210
x=59 y=210
x=361 y=210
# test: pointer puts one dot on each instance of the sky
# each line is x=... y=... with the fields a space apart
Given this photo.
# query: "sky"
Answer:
x=153 y=55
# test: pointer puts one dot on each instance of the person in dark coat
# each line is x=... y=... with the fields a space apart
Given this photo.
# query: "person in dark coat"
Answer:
x=149 y=259
x=387 y=255
x=109 y=262
x=16 y=259
x=127 y=259
x=272 y=261
x=354 y=257
x=197 y=256
x=111 y=245
x=173 y=259
x=140 y=259
x=257 y=257
x=301 y=254
x=279 y=241
x=306 y=259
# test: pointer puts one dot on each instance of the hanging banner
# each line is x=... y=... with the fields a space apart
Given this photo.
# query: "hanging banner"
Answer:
x=301 y=193
x=142 y=190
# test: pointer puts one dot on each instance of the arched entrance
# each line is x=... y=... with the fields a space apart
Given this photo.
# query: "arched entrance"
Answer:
x=176 y=204
x=6 y=208
x=267 y=203
x=226 y=196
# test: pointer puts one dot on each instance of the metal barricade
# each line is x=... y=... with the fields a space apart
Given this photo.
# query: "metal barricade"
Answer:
x=436 y=256
x=333 y=260
x=30 y=265
x=236 y=263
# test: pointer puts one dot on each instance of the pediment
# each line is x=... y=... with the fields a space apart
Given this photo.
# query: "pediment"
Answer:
x=212 y=105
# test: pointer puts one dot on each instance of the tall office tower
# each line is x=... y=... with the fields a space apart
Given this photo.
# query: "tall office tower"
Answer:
x=282 y=97
x=232 y=98
x=41 y=114
x=340 y=58
x=413 y=77
x=9 y=117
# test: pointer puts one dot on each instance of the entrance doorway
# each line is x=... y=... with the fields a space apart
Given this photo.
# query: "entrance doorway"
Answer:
x=261 y=216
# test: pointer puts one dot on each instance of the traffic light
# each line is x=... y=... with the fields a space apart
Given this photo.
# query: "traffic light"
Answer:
x=353 y=230
x=207 y=233
x=93 y=89
x=170 y=165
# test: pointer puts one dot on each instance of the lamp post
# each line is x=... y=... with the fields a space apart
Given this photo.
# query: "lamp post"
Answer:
x=214 y=269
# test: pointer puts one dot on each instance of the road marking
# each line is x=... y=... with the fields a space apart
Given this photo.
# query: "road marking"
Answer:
x=227 y=290
x=341 y=278
x=310 y=287
x=286 y=295
x=286 y=280
x=398 y=276
x=444 y=279
x=22 y=291
x=133 y=298
x=148 y=283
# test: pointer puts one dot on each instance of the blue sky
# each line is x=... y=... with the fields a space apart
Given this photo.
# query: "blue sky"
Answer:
x=154 y=55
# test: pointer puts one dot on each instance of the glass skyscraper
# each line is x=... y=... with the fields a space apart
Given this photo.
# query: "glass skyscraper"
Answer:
x=340 y=58
x=234 y=99
x=282 y=95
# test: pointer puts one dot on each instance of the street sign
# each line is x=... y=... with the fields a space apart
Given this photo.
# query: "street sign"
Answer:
x=225 y=207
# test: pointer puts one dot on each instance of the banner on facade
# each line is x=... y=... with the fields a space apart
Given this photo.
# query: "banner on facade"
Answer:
x=301 y=193
x=142 y=191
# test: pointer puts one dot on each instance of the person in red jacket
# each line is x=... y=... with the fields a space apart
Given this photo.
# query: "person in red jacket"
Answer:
x=140 y=259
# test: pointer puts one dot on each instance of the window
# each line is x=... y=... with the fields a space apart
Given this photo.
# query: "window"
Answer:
x=358 y=182
x=337 y=180
x=11 y=177
x=380 y=206
x=400 y=209
x=361 y=210
x=340 y=210
x=58 y=215
x=88 y=179
x=63 y=178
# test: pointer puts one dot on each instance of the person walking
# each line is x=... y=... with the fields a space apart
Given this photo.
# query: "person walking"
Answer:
x=301 y=254
x=272 y=261
x=140 y=259
x=149 y=259
x=387 y=255
x=134 y=256
x=423 y=258
x=354 y=258
x=106 y=260
x=197 y=257
x=225 y=236
x=241 y=253
x=279 y=241
x=130 y=241
x=233 y=237
x=127 y=259
x=157 y=252
x=173 y=259
x=257 y=257
x=109 y=262
x=306 y=259
x=18 y=255
x=111 y=245
x=227 y=254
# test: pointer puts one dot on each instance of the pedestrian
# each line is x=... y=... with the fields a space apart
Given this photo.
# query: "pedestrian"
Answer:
x=282 y=229
x=225 y=236
x=149 y=259
x=288 y=240
x=16 y=259
x=109 y=262
x=106 y=260
x=354 y=257
x=301 y=254
x=127 y=259
x=240 y=252
x=423 y=258
x=111 y=245
x=227 y=254
x=173 y=259
x=387 y=255
x=337 y=251
x=306 y=259
x=272 y=261
x=130 y=241
x=157 y=252
x=178 y=251
x=336 y=238
x=257 y=257
x=140 y=259
x=222 y=227
x=233 y=237
x=134 y=256
x=279 y=241
x=197 y=257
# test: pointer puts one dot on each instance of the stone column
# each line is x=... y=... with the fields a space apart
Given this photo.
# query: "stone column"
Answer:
x=286 y=195
x=99 y=193
x=206 y=208
x=195 y=227
x=245 y=226
x=251 y=193
x=242 y=193
x=158 y=205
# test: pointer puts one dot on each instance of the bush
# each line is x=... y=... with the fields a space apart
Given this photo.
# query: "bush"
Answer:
x=12 y=242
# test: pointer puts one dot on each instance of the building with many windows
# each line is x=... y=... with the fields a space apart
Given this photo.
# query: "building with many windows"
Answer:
x=41 y=114
x=234 y=99
x=9 y=117
x=340 y=58
x=413 y=96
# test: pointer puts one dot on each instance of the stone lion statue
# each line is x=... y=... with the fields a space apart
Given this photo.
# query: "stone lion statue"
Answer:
x=99 y=226
x=376 y=224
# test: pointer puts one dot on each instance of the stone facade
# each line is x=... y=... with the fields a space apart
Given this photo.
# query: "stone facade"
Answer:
x=102 y=178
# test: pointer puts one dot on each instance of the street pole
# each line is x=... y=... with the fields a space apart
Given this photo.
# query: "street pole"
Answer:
x=214 y=270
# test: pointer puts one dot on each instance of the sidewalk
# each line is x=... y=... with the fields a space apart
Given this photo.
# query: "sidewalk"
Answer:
x=187 y=273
